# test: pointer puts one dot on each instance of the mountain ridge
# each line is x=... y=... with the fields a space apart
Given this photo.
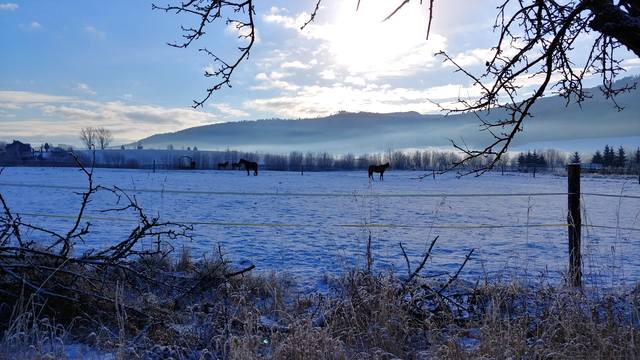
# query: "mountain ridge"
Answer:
x=374 y=132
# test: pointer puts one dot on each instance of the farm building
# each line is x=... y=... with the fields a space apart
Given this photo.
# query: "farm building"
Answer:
x=18 y=151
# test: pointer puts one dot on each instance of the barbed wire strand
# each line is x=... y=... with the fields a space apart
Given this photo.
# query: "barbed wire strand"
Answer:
x=351 y=194
x=372 y=225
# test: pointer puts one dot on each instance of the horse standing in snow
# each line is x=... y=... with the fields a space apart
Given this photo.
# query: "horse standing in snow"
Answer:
x=379 y=169
x=223 y=166
x=249 y=165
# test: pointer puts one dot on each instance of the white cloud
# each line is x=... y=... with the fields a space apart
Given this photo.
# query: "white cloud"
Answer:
x=8 y=6
x=9 y=106
x=61 y=115
x=230 y=111
x=34 y=25
x=295 y=65
x=86 y=89
x=355 y=80
x=328 y=74
x=275 y=16
x=315 y=100
x=631 y=63
x=473 y=57
x=25 y=97
x=273 y=81
x=262 y=77
x=94 y=31
x=277 y=75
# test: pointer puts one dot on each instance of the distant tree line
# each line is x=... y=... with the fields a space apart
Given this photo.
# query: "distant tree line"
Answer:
x=532 y=161
x=607 y=161
x=610 y=160
x=422 y=160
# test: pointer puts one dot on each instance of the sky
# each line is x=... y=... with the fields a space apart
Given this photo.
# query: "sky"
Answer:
x=66 y=64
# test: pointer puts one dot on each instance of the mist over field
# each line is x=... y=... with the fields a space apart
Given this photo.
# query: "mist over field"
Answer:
x=554 y=125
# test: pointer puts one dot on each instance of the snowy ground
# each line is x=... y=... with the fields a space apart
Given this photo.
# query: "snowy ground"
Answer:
x=317 y=245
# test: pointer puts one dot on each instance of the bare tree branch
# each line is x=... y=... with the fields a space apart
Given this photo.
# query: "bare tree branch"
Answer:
x=313 y=15
x=207 y=12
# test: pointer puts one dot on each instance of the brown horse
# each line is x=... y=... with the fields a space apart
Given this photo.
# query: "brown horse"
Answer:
x=379 y=169
x=249 y=165
x=223 y=166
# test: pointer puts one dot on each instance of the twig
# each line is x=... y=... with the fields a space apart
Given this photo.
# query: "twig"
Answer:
x=454 y=277
x=406 y=259
x=423 y=262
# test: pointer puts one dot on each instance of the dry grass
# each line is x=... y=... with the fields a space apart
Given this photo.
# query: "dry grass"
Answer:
x=550 y=322
x=364 y=316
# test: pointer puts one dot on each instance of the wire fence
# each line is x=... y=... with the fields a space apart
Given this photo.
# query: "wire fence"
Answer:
x=338 y=225
x=364 y=224
x=331 y=195
x=301 y=194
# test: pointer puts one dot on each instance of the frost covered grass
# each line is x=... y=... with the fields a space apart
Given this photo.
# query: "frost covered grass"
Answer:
x=361 y=315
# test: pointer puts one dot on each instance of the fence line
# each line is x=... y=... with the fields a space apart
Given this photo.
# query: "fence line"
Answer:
x=284 y=194
x=374 y=225
x=612 y=195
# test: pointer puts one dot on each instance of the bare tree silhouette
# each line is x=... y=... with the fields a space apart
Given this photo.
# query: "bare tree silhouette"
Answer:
x=88 y=137
x=104 y=137
x=536 y=39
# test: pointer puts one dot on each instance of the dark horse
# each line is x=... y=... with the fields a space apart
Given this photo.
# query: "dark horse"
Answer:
x=235 y=166
x=223 y=166
x=249 y=165
x=379 y=169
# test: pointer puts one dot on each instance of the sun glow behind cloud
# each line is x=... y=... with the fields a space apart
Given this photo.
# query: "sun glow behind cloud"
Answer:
x=350 y=60
x=365 y=44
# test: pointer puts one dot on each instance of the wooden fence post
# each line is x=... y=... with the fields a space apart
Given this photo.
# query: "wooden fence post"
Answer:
x=574 y=223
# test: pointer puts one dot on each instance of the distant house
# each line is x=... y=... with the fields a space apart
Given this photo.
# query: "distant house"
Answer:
x=18 y=151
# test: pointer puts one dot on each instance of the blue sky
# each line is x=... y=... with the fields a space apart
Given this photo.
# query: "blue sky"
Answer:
x=66 y=64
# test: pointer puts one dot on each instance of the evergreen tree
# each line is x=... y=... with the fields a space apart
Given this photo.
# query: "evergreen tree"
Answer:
x=597 y=158
x=541 y=162
x=575 y=158
x=638 y=156
x=522 y=161
x=608 y=156
x=621 y=158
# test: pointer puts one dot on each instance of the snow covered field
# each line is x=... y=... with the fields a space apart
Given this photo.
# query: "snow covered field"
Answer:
x=326 y=234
